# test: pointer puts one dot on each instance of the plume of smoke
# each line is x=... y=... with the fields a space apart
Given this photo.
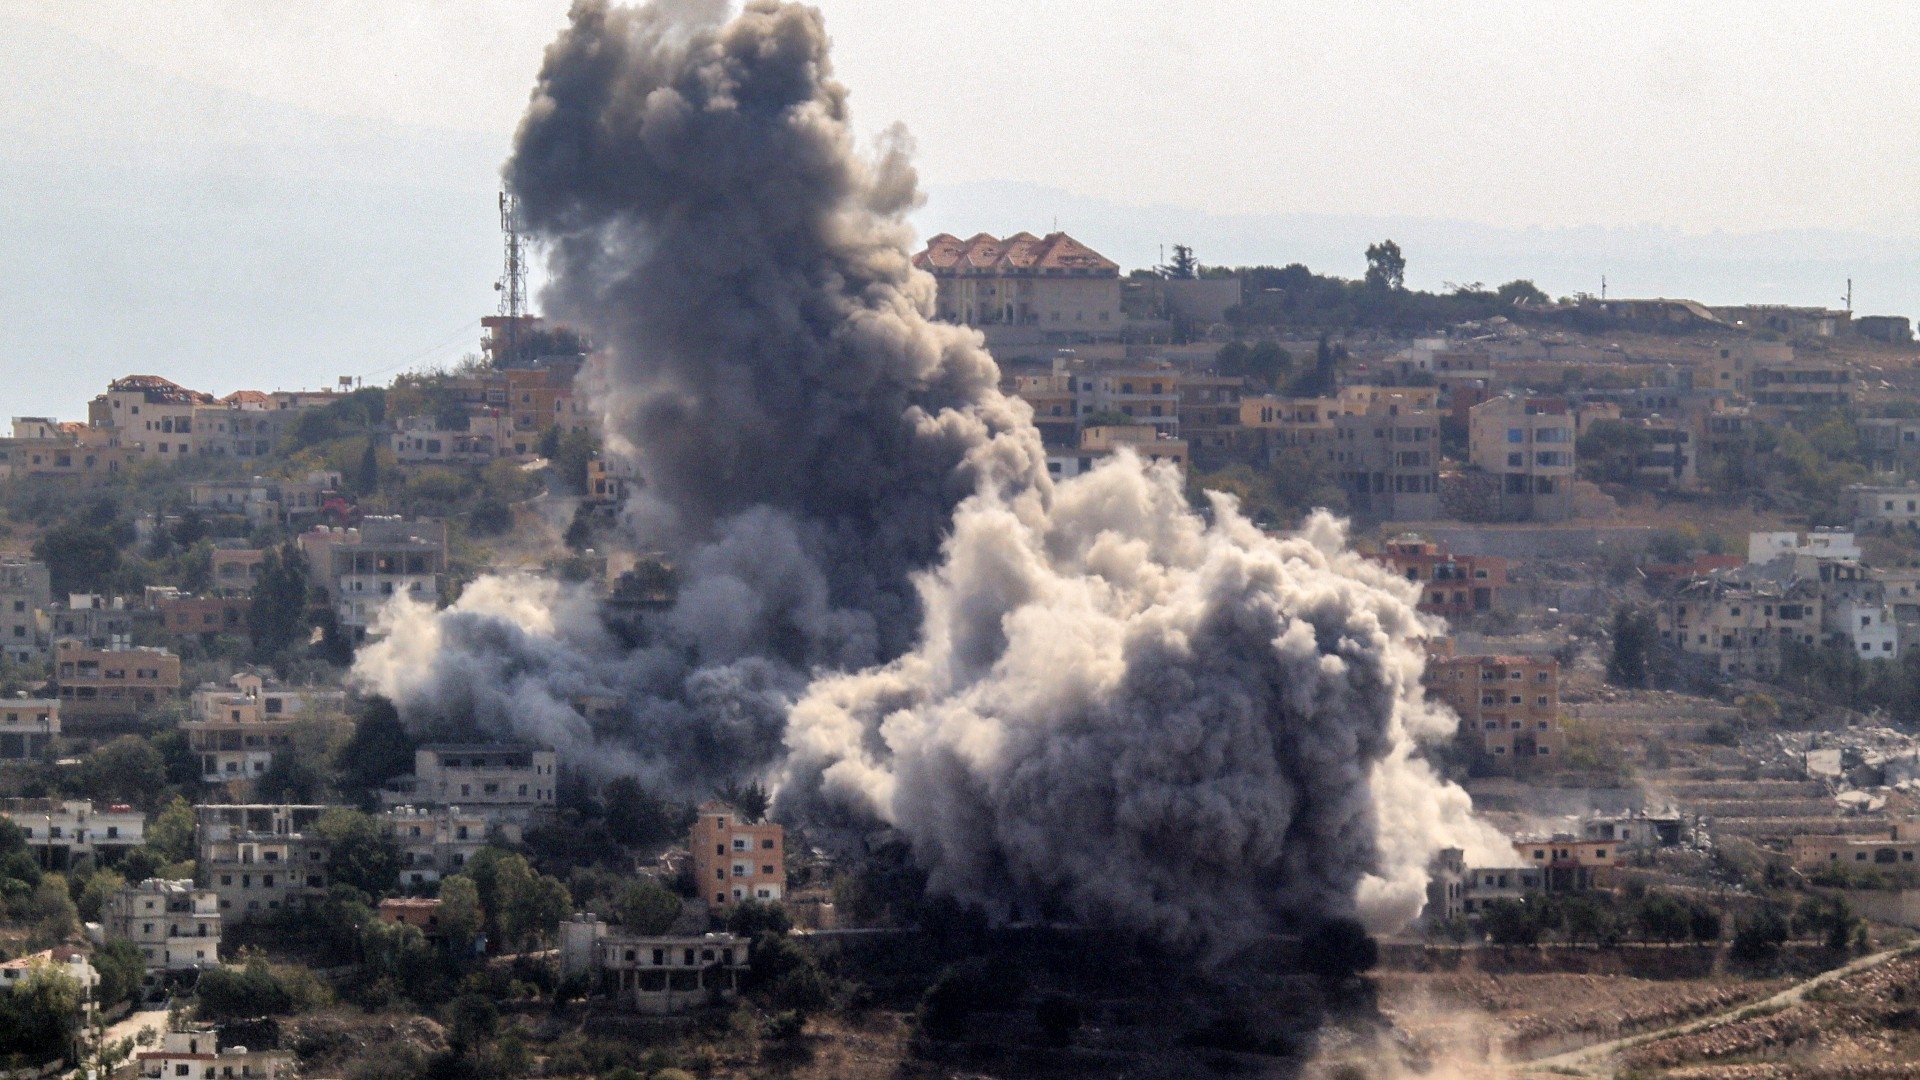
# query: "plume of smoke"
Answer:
x=1081 y=698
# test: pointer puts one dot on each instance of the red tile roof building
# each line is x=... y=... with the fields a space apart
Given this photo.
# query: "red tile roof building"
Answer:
x=1052 y=283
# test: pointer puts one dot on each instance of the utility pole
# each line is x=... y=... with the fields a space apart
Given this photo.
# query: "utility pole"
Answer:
x=1603 y=286
x=1849 y=296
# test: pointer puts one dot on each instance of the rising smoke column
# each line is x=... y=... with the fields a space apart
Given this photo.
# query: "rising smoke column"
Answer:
x=1081 y=697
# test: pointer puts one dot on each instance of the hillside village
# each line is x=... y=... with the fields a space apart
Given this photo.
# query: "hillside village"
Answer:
x=1672 y=552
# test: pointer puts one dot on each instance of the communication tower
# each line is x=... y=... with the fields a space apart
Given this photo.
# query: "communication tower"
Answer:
x=512 y=285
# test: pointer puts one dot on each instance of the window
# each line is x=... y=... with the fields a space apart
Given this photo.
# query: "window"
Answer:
x=767 y=844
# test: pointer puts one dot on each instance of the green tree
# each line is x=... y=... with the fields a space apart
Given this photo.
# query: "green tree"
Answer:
x=366 y=477
x=521 y=907
x=254 y=990
x=461 y=916
x=360 y=855
x=1510 y=922
x=95 y=888
x=1386 y=266
x=126 y=770
x=755 y=917
x=1758 y=937
x=569 y=462
x=39 y=1017
x=278 y=617
x=1661 y=917
x=1611 y=450
x=750 y=799
x=645 y=907
x=171 y=836
x=1635 y=637
x=379 y=749
x=1183 y=266
x=121 y=969
x=471 y=1020
x=635 y=816
x=1522 y=293
x=80 y=558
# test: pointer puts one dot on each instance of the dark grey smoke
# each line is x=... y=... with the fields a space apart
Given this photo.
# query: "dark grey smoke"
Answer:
x=709 y=219
x=1080 y=696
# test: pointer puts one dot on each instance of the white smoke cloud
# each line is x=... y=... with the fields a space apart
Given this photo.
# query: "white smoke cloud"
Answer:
x=1078 y=698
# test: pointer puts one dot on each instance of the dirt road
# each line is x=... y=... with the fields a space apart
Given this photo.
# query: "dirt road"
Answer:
x=1592 y=1060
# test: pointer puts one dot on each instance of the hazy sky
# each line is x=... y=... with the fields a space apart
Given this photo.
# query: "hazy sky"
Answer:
x=1732 y=115
x=277 y=192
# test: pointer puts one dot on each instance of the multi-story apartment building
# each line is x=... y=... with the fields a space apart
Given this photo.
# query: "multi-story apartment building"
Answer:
x=28 y=726
x=263 y=500
x=61 y=831
x=1741 y=620
x=434 y=841
x=1386 y=453
x=1270 y=425
x=735 y=861
x=657 y=974
x=1770 y=375
x=1450 y=584
x=197 y=1055
x=237 y=570
x=98 y=622
x=1886 y=508
x=1568 y=863
x=202 y=617
x=537 y=399
x=1455 y=889
x=261 y=856
x=1055 y=285
x=151 y=415
x=103 y=683
x=236 y=730
x=361 y=568
x=1509 y=706
x=1210 y=410
x=174 y=924
x=73 y=452
x=241 y=425
x=1055 y=401
x=478 y=439
x=1528 y=443
x=511 y=786
x=1101 y=441
x=1891 y=444
x=26 y=588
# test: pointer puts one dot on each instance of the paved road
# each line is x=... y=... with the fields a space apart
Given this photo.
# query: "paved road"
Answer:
x=1592 y=1060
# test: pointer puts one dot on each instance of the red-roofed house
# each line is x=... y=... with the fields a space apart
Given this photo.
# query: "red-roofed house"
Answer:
x=1054 y=284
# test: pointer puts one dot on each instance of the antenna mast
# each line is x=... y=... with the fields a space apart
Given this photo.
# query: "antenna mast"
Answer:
x=513 y=278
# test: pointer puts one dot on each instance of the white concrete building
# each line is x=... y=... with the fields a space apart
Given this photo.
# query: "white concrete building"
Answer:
x=60 y=831
x=175 y=925
x=28 y=726
x=512 y=786
x=196 y=1055
x=68 y=961
x=1764 y=547
x=434 y=842
x=652 y=974
x=260 y=857
x=1868 y=628
x=235 y=730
